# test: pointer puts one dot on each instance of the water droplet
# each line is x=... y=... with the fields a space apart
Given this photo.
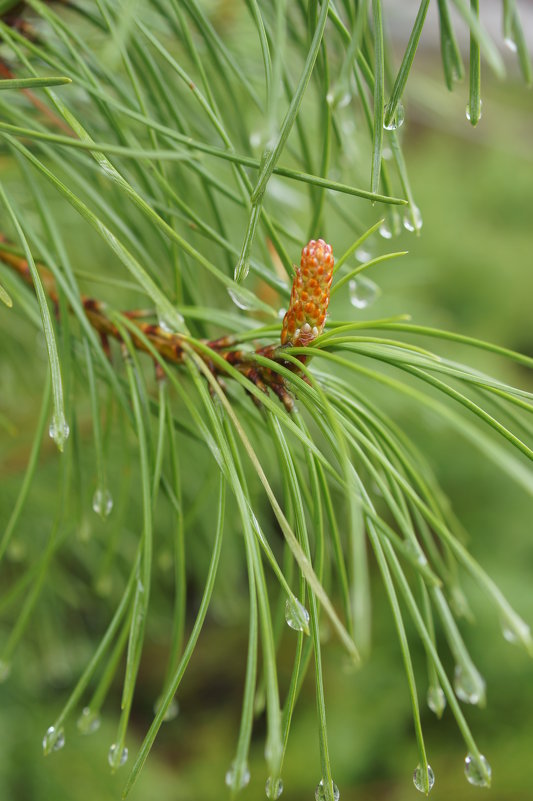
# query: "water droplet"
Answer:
x=172 y=709
x=362 y=255
x=255 y=139
x=89 y=721
x=237 y=776
x=53 y=740
x=436 y=700
x=363 y=292
x=412 y=220
x=59 y=431
x=239 y=299
x=273 y=789
x=459 y=602
x=515 y=630
x=396 y=120
x=102 y=502
x=169 y=324
x=340 y=97
x=344 y=100
x=242 y=268
x=107 y=169
x=509 y=635
x=468 y=112
x=469 y=685
x=5 y=670
x=116 y=759
x=385 y=231
x=477 y=772
x=418 y=779
x=321 y=793
x=510 y=43
x=296 y=615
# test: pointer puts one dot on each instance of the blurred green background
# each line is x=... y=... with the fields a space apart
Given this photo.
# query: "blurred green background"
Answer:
x=471 y=270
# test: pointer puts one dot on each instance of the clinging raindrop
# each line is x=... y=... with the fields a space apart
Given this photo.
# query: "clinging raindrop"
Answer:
x=239 y=299
x=115 y=759
x=296 y=615
x=412 y=220
x=53 y=740
x=397 y=119
x=59 y=431
x=436 y=700
x=477 y=772
x=89 y=721
x=236 y=781
x=469 y=112
x=469 y=685
x=418 y=779
x=385 y=231
x=362 y=254
x=273 y=789
x=102 y=502
x=172 y=710
x=510 y=43
x=363 y=292
x=321 y=794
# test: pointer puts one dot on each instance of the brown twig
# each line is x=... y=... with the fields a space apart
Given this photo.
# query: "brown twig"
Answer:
x=167 y=344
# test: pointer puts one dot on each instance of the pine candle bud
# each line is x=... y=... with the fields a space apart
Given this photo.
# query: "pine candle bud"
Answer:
x=306 y=314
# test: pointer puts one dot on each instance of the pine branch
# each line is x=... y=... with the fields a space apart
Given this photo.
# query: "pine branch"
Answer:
x=169 y=345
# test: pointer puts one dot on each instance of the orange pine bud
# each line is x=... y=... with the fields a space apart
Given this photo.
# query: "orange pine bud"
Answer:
x=306 y=314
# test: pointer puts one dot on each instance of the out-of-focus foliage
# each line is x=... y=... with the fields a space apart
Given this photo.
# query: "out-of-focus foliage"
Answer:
x=470 y=272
